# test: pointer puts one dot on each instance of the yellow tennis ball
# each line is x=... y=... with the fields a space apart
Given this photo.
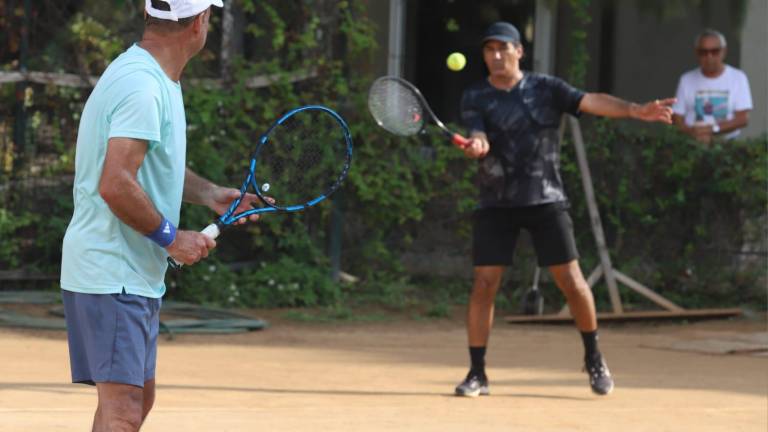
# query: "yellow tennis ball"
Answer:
x=456 y=61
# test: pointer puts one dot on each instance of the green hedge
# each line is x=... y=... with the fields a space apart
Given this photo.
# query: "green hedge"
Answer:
x=681 y=217
x=677 y=215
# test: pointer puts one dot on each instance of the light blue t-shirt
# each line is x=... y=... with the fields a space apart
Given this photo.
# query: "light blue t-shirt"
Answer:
x=134 y=98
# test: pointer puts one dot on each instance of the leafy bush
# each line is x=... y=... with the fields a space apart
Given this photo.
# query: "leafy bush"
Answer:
x=688 y=221
x=10 y=226
x=678 y=215
x=281 y=283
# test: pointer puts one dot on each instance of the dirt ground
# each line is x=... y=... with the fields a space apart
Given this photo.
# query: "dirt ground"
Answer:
x=399 y=376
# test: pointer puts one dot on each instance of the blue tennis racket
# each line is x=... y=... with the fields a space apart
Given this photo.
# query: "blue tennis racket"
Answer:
x=298 y=162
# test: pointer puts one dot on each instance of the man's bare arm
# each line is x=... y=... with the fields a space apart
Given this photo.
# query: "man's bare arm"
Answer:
x=740 y=120
x=120 y=189
x=705 y=132
x=606 y=105
x=197 y=190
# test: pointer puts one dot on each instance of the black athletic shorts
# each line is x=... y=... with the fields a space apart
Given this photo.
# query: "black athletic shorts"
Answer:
x=495 y=232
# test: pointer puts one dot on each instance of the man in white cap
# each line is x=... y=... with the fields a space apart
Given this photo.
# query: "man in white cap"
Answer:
x=130 y=180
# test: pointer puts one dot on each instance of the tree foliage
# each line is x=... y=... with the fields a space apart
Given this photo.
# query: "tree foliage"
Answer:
x=678 y=216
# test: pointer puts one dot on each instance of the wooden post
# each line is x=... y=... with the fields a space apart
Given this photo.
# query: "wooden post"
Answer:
x=605 y=268
x=227 y=46
x=594 y=216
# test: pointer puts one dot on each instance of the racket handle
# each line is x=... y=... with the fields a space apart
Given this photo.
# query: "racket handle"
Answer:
x=211 y=231
x=459 y=141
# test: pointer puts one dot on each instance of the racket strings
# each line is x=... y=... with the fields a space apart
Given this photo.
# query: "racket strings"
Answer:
x=305 y=157
x=396 y=107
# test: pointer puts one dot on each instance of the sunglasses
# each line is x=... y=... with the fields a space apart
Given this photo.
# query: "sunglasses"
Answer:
x=702 y=52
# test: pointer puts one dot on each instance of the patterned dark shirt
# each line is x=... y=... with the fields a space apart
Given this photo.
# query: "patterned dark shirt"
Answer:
x=522 y=167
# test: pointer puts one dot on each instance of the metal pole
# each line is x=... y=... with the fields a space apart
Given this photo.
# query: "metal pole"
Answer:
x=544 y=36
x=396 y=37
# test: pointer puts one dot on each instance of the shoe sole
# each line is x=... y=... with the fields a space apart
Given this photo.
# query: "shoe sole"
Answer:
x=468 y=394
x=603 y=394
x=476 y=393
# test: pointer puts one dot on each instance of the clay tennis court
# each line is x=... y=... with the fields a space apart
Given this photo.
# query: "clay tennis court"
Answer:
x=400 y=375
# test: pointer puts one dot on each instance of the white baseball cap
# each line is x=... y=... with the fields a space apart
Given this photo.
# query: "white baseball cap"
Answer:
x=179 y=9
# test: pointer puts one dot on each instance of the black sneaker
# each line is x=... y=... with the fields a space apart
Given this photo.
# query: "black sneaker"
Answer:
x=599 y=376
x=475 y=384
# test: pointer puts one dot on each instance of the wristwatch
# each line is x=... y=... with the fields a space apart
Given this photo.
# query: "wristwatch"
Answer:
x=715 y=128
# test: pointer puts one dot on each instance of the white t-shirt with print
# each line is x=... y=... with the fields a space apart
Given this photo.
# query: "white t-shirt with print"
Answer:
x=712 y=100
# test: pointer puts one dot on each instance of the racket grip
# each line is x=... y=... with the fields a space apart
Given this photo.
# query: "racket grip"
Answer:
x=459 y=141
x=211 y=231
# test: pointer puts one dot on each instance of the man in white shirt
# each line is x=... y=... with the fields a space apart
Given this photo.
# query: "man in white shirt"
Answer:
x=713 y=100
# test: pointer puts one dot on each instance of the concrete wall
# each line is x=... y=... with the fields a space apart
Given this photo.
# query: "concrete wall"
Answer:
x=651 y=53
x=638 y=53
x=378 y=12
x=754 y=62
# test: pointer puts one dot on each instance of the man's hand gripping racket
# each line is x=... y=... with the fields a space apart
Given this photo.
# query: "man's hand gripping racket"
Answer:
x=298 y=162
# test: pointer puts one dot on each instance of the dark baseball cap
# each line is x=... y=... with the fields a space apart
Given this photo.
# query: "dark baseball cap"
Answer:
x=502 y=31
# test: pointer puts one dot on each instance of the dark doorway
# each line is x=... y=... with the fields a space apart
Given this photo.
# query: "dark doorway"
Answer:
x=436 y=28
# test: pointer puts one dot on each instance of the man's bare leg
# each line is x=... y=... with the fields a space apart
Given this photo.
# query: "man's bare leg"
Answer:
x=120 y=408
x=571 y=282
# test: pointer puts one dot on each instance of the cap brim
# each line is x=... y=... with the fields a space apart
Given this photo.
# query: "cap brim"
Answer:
x=501 y=38
x=217 y=3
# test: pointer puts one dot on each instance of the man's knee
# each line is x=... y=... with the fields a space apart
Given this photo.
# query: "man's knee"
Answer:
x=122 y=418
x=148 y=398
x=121 y=406
x=485 y=286
x=570 y=280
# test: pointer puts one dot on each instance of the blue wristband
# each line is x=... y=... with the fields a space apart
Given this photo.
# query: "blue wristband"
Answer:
x=164 y=234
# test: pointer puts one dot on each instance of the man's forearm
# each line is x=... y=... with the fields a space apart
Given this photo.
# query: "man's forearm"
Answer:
x=197 y=190
x=121 y=191
x=739 y=120
x=605 y=105
x=128 y=201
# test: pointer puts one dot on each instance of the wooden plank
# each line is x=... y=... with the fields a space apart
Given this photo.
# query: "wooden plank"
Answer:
x=595 y=276
x=74 y=80
x=19 y=275
x=58 y=79
x=647 y=292
x=38 y=182
x=629 y=316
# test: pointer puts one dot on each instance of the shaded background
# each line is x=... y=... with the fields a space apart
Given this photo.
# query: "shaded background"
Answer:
x=687 y=221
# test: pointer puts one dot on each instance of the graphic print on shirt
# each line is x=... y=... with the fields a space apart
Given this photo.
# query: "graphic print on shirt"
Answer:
x=711 y=106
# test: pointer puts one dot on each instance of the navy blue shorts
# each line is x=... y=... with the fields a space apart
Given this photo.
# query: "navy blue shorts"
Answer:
x=495 y=232
x=112 y=337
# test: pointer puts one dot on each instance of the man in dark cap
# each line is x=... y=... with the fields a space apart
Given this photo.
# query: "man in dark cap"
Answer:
x=513 y=118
